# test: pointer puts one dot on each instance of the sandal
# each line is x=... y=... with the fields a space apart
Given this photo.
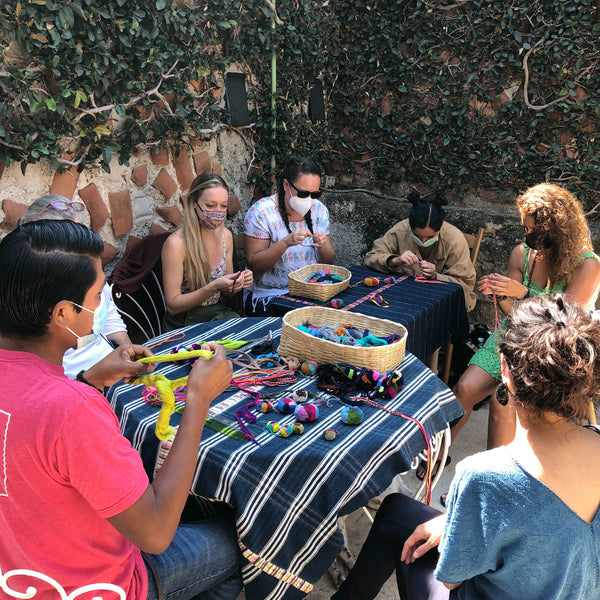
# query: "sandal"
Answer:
x=422 y=468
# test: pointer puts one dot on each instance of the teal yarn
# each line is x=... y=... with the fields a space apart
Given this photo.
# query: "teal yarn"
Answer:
x=352 y=415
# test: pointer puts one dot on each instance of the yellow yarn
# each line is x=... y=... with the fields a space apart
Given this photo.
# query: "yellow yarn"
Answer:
x=181 y=355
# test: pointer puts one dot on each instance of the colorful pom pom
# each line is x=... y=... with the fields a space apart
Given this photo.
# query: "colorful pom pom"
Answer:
x=309 y=367
x=272 y=426
x=264 y=406
x=286 y=430
x=371 y=281
x=330 y=434
x=300 y=396
x=286 y=406
x=352 y=416
x=307 y=413
x=298 y=428
x=389 y=280
x=336 y=303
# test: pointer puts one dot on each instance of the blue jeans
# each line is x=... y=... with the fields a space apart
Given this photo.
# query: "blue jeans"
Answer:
x=202 y=562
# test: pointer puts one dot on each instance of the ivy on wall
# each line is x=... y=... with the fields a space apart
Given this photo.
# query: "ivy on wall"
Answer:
x=448 y=94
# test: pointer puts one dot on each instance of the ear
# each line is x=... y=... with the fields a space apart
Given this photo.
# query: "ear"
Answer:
x=506 y=376
x=61 y=313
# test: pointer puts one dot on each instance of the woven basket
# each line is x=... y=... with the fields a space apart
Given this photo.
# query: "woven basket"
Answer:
x=303 y=346
x=298 y=285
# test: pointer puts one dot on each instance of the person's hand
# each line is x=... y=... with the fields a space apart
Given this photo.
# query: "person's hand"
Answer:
x=425 y=537
x=319 y=239
x=427 y=269
x=506 y=286
x=296 y=237
x=483 y=285
x=407 y=259
x=209 y=377
x=119 y=364
x=230 y=283
x=247 y=278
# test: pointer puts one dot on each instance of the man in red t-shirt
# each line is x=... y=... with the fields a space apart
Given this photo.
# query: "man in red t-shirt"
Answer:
x=75 y=502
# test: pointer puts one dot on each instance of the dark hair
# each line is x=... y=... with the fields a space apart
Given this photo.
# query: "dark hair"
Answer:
x=44 y=262
x=426 y=212
x=552 y=350
x=295 y=167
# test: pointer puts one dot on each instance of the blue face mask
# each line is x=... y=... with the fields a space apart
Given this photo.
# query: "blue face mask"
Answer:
x=100 y=315
x=426 y=244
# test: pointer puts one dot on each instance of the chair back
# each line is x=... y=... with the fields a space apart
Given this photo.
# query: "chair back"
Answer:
x=474 y=243
x=137 y=288
x=239 y=252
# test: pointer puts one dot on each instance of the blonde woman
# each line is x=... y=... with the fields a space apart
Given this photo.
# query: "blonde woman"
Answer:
x=197 y=259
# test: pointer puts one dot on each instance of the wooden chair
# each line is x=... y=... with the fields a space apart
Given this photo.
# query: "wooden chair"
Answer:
x=239 y=252
x=474 y=243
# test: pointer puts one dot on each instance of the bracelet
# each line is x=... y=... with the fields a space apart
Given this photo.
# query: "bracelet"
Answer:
x=80 y=377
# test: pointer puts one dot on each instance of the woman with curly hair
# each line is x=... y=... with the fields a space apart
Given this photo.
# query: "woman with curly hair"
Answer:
x=284 y=232
x=556 y=256
x=197 y=259
x=523 y=519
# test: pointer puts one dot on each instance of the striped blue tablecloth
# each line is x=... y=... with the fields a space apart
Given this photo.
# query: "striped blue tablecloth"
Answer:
x=287 y=493
x=431 y=312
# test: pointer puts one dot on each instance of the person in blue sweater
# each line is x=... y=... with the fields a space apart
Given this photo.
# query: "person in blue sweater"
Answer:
x=523 y=519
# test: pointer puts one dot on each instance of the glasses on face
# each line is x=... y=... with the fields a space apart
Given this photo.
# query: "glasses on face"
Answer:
x=304 y=194
x=62 y=205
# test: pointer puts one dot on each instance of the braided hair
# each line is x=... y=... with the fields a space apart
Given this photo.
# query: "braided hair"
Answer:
x=295 y=167
x=426 y=212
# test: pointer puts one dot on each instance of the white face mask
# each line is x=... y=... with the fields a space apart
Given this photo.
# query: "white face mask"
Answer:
x=301 y=205
x=100 y=315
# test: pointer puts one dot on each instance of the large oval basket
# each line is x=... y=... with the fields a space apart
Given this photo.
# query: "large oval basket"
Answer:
x=303 y=346
x=298 y=285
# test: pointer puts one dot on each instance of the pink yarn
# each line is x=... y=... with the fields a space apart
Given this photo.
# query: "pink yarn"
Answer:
x=307 y=413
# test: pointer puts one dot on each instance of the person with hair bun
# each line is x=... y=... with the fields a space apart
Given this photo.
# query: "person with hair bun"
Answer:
x=523 y=519
x=197 y=259
x=557 y=256
x=284 y=232
x=426 y=245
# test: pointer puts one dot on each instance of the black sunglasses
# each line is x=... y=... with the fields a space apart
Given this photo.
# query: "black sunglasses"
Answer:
x=304 y=194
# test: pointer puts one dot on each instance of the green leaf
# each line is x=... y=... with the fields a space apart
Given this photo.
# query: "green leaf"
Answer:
x=161 y=4
x=50 y=104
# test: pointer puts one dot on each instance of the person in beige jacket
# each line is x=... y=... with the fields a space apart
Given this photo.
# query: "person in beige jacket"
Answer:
x=427 y=246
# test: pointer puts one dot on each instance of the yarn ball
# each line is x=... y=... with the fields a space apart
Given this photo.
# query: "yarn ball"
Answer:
x=389 y=280
x=371 y=281
x=264 y=406
x=352 y=416
x=272 y=426
x=307 y=413
x=286 y=406
x=298 y=428
x=286 y=430
x=336 y=303
x=300 y=396
x=330 y=434
x=309 y=367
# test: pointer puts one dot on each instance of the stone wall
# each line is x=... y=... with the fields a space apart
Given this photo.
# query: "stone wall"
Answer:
x=131 y=201
x=359 y=218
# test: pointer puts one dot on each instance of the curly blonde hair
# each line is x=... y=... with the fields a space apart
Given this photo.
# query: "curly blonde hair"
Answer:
x=552 y=350
x=557 y=210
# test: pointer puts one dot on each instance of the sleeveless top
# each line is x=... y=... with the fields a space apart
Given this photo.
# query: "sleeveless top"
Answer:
x=559 y=286
x=217 y=272
x=487 y=356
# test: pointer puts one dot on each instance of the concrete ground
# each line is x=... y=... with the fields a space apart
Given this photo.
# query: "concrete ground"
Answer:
x=472 y=439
